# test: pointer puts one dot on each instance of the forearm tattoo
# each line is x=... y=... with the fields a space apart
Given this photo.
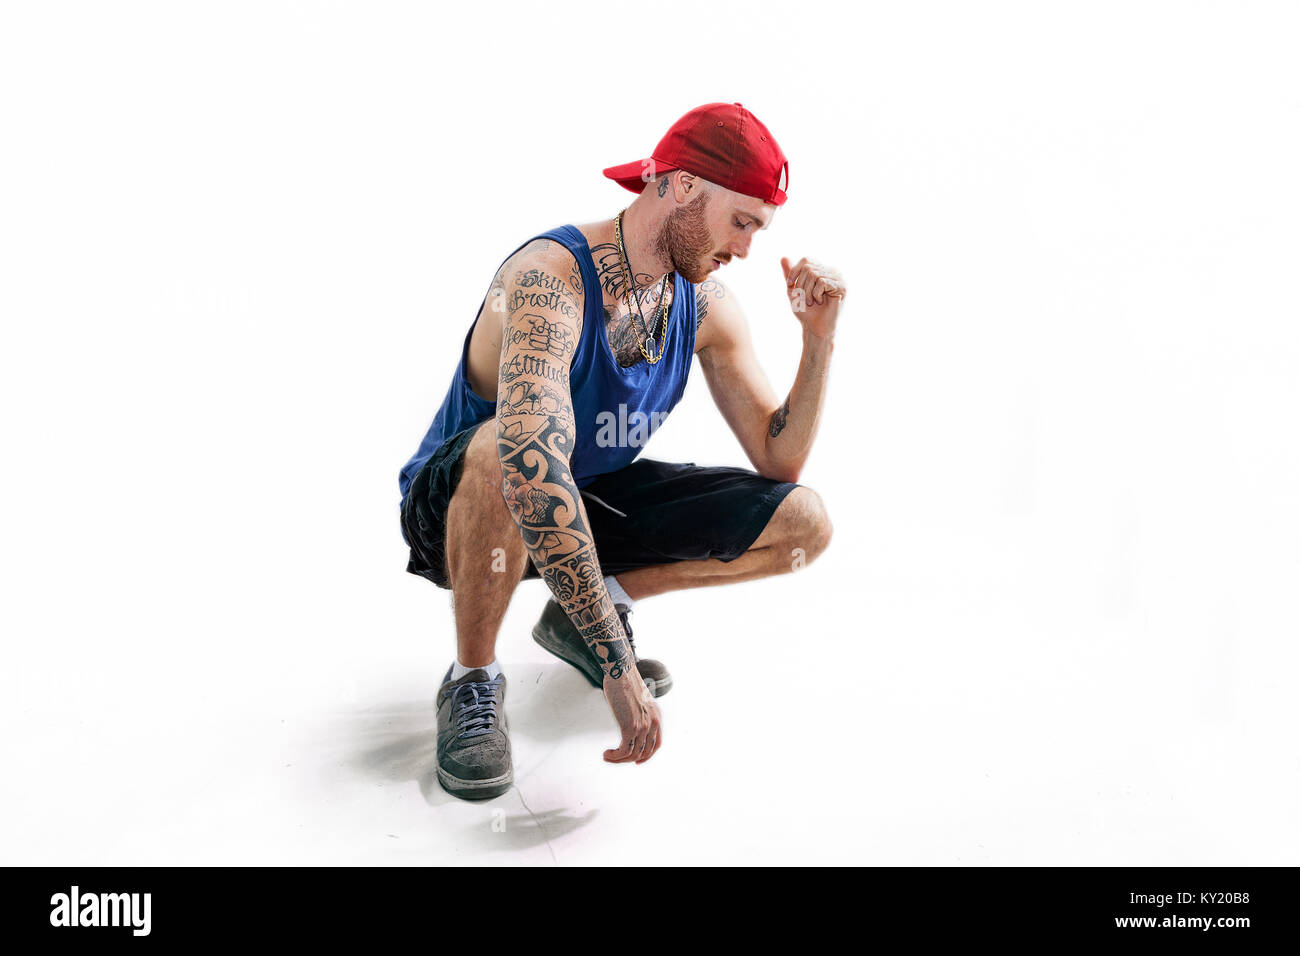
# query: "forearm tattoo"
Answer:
x=777 y=424
x=535 y=437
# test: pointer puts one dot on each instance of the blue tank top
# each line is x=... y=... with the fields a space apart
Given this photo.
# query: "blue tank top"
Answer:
x=615 y=409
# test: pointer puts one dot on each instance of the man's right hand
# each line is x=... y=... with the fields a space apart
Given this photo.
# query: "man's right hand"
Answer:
x=638 y=718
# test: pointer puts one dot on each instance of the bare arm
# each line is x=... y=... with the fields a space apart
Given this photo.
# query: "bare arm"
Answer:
x=777 y=436
x=535 y=436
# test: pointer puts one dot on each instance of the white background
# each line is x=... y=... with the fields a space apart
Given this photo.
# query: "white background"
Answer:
x=240 y=245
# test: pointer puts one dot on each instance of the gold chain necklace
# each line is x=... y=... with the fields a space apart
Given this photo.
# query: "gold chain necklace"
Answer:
x=662 y=323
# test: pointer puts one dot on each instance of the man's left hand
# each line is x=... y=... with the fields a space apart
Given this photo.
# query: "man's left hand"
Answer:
x=815 y=292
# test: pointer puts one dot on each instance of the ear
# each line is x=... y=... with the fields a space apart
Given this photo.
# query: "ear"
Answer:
x=686 y=186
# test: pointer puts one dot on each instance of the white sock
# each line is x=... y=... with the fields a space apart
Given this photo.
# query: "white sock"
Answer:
x=459 y=670
x=616 y=592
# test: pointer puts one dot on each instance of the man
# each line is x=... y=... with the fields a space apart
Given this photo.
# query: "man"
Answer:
x=580 y=349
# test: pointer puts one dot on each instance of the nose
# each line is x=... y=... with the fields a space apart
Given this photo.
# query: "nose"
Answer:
x=740 y=249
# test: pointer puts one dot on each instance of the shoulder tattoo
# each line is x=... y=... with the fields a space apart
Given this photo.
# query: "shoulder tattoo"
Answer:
x=706 y=290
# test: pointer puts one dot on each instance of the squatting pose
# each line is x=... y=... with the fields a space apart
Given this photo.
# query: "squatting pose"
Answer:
x=580 y=349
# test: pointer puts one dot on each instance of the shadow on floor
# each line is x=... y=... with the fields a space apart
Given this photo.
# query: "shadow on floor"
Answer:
x=523 y=831
x=545 y=704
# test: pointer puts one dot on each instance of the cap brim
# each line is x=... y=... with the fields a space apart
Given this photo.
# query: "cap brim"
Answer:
x=631 y=175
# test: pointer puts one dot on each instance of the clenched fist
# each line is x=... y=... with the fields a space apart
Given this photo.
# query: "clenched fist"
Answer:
x=815 y=292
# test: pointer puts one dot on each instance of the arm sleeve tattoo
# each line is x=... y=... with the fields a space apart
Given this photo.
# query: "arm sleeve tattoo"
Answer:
x=535 y=437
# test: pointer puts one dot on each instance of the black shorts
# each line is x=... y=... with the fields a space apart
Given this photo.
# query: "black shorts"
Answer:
x=651 y=512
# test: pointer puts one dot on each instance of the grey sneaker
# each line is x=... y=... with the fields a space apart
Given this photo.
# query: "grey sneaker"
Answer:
x=556 y=633
x=473 y=742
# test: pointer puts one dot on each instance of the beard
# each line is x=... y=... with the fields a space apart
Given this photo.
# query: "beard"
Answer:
x=685 y=242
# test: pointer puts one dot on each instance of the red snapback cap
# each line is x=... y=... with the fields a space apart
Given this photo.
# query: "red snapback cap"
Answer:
x=722 y=142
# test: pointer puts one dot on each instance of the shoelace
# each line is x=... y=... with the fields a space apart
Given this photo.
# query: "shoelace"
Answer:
x=477 y=714
x=627 y=627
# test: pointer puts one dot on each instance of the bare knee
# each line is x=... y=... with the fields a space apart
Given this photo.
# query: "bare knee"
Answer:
x=481 y=471
x=477 y=515
x=808 y=525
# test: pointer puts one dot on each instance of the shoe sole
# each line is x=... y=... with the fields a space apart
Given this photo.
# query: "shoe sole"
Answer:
x=476 y=789
x=657 y=688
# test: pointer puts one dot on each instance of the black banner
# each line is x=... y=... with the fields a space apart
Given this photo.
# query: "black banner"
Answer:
x=136 y=906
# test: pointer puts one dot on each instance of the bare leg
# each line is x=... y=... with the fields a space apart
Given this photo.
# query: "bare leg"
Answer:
x=485 y=552
x=798 y=532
